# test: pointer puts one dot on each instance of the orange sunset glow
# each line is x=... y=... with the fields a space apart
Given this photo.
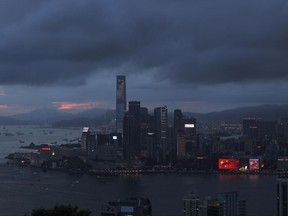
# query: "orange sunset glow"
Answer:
x=80 y=106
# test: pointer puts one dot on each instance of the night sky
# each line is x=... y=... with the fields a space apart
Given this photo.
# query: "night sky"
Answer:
x=197 y=55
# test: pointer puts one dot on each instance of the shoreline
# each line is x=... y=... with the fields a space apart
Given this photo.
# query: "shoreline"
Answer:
x=139 y=172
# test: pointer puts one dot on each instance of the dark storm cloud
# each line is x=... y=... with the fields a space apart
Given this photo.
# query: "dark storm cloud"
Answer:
x=211 y=42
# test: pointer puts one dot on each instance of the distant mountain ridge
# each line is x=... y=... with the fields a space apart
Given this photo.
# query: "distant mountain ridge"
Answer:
x=51 y=116
x=264 y=112
x=42 y=115
x=105 y=116
x=4 y=120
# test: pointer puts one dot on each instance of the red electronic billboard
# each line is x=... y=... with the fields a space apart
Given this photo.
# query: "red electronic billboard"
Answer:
x=254 y=164
x=228 y=163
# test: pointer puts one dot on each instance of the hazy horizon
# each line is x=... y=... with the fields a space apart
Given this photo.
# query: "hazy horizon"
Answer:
x=150 y=110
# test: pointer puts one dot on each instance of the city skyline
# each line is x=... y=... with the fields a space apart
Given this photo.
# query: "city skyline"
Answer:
x=200 y=56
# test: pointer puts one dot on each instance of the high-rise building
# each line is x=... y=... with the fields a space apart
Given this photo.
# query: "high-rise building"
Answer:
x=88 y=140
x=212 y=206
x=283 y=135
x=178 y=128
x=107 y=146
x=228 y=203
x=120 y=102
x=250 y=131
x=178 y=121
x=282 y=196
x=132 y=132
x=147 y=134
x=185 y=137
x=249 y=128
x=161 y=127
x=193 y=206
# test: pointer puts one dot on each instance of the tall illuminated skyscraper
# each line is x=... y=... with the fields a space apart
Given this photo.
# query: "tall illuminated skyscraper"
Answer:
x=120 y=102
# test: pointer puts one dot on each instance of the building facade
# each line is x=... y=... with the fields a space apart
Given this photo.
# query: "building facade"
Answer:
x=88 y=141
x=161 y=129
x=282 y=197
x=225 y=204
x=120 y=102
x=132 y=132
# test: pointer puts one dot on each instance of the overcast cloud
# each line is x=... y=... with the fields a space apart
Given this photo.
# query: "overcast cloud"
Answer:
x=226 y=53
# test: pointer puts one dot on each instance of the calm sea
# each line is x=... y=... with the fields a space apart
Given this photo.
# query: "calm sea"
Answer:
x=24 y=188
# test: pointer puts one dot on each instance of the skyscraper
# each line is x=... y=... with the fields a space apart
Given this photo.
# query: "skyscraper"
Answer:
x=193 y=206
x=185 y=137
x=88 y=140
x=249 y=128
x=120 y=102
x=132 y=132
x=282 y=197
x=161 y=126
x=228 y=203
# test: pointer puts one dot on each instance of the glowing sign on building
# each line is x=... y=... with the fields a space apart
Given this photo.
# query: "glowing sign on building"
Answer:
x=228 y=163
x=45 y=149
x=254 y=164
x=85 y=129
x=189 y=125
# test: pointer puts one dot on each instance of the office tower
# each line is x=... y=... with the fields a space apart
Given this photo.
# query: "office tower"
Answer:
x=178 y=121
x=249 y=126
x=185 y=136
x=192 y=205
x=283 y=135
x=211 y=206
x=131 y=132
x=282 y=197
x=147 y=134
x=242 y=208
x=107 y=146
x=161 y=127
x=181 y=146
x=120 y=102
x=191 y=138
x=178 y=128
x=88 y=140
x=228 y=203
x=249 y=134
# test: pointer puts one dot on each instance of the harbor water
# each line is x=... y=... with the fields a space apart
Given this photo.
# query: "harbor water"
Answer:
x=25 y=188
